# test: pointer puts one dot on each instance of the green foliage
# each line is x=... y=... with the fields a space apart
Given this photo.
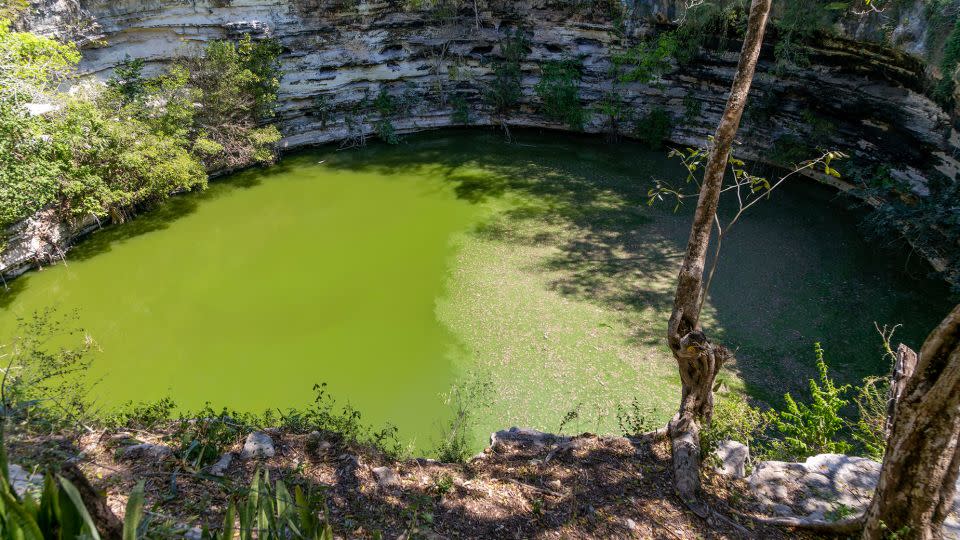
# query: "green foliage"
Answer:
x=461 y=110
x=465 y=399
x=108 y=151
x=931 y=222
x=127 y=81
x=692 y=109
x=504 y=92
x=238 y=85
x=326 y=416
x=141 y=416
x=733 y=419
x=386 y=106
x=615 y=111
x=559 y=90
x=201 y=439
x=943 y=91
x=31 y=65
x=44 y=384
x=635 y=419
x=648 y=60
x=11 y=9
x=59 y=514
x=813 y=428
x=714 y=22
x=110 y=165
x=870 y=429
x=271 y=512
x=654 y=128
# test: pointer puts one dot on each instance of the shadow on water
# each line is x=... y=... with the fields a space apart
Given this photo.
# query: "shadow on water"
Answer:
x=794 y=272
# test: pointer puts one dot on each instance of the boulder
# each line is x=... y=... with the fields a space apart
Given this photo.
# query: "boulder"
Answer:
x=156 y=452
x=220 y=467
x=386 y=477
x=258 y=445
x=23 y=481
x=733 y=458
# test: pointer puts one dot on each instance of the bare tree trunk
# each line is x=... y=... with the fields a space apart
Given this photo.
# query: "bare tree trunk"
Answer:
x=920 y=467
x=698 y=359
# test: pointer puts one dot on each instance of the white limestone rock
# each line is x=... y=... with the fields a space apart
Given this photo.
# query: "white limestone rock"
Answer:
x=258 y=445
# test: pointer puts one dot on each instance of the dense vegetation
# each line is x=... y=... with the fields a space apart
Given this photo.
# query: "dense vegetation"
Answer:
x=104 y=151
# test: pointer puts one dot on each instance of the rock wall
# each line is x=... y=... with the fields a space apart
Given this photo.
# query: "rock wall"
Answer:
x=859 y=96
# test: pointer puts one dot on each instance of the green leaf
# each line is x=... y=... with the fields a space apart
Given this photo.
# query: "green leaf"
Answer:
x=18 y=515
x=228 y=518
x=74 y=495
x=134 y=514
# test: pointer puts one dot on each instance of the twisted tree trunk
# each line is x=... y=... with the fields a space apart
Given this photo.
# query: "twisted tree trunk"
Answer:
x=699 y=359
x=920 y=467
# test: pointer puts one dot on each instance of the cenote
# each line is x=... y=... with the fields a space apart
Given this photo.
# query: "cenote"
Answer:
x=528 y=282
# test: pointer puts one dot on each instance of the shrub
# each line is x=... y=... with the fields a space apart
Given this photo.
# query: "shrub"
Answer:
x=733 y=419
x=559 y=90
x=870 y=428
x=648 y=60
x=814 y=428
x=504 y=92
x=238 y=85
x=461 y=110
x=634 y=419
x=465 y=399
x=45 y=386
x=654 y=128
x=202 y=438
x=615 y=110
x=325 y=415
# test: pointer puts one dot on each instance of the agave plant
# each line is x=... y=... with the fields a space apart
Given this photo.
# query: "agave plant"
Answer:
x=273 y=513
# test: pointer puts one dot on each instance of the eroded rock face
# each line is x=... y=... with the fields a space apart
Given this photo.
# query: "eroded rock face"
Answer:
x=857 y=96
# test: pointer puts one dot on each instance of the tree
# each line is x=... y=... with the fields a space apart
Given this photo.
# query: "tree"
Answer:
x=698 y=359
x=922 y=460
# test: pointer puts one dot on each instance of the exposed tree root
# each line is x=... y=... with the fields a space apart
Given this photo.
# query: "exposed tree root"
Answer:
x=843 y=526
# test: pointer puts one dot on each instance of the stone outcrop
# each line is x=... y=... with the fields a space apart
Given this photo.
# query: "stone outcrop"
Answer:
x=858 y=95
x=824 y=488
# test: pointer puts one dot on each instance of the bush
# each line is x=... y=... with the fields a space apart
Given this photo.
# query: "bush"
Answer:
x=733 y=419
x=345 y=421
x=654 y=128
x=870 y=428
x=105 y=151
x=634 y=419
x=559 y=90
x=504 y=92
x=814 y=428
x=238 y=85
x=461 y=110
x=648 y=60
x=45 y=388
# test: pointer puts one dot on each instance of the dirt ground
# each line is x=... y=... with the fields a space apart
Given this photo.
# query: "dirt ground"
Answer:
x=521 y=487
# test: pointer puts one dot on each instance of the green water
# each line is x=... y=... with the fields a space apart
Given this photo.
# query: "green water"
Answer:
x=394 y=272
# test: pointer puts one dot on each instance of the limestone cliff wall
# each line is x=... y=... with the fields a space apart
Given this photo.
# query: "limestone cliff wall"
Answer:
x=860 y=95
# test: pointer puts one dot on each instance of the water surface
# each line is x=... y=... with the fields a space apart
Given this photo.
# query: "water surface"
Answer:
x=396 y=273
